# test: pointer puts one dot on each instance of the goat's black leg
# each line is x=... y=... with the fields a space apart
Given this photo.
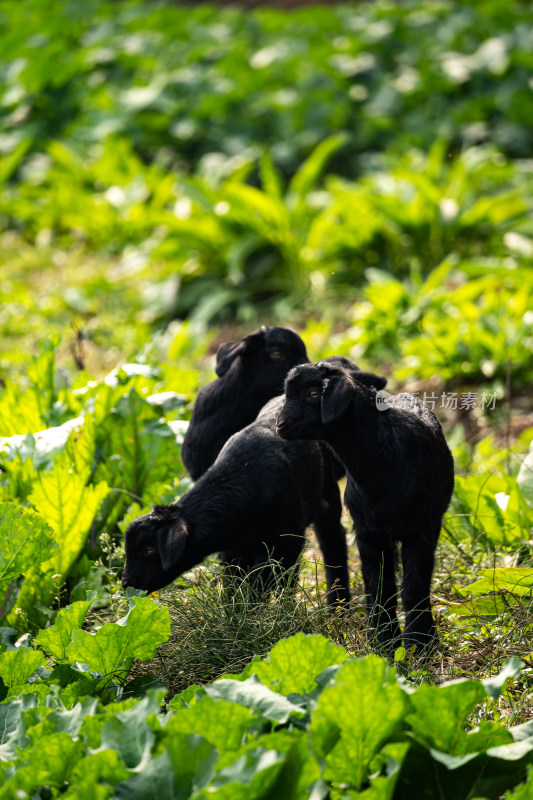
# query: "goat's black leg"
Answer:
x=331 y=538
x=378 y=567
x=418 y=558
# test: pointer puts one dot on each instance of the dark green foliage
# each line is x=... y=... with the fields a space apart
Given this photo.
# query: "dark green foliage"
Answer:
x=184 y=83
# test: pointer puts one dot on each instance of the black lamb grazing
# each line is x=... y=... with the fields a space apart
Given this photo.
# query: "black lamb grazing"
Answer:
x=400 y=481
x=255 y=502
x=250 y=372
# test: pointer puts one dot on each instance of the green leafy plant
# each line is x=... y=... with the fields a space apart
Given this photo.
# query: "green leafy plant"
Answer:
x=25 y=539
x=304 y=719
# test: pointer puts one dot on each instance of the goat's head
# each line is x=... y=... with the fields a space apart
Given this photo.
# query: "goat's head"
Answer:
x=365 y=378
x=264 y=357
x=317 y=395
x=156 y=545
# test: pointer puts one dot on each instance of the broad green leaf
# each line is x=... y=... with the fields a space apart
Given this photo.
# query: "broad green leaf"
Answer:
x=253 y=775
x=187 y=697
x=355 y=717
x=293 y=664
x=477 y=607
x=124 y=726
x=69 y=505
x=41 y=447
x=66 y=720
x=17 y=415
x=516 y=580
x=48 y=763
x=524 y=791
x=185 y=765
x=114 y=646
x=104 y=767
x=25 y=539
x=300 y=773
x=457 y=777
x=385 y=773
x=128 y=732
x=16 y=666
x=12 y=729
x=154 y=781
x=440 y=713
x=58 y=637
x=220 y=722
x=252 y=694
x=62 y=497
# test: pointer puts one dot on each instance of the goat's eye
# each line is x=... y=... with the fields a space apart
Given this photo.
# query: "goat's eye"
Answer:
x=313 y=395
x=276 y=354
x=150 y=550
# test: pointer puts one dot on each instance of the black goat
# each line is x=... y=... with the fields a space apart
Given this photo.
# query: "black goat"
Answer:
x=250 y=372
x=400 y=481
x=255 y=501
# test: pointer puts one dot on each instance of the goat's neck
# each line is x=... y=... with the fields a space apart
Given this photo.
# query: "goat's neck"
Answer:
x=210 y=516
x=354 y=440
x=239 y=401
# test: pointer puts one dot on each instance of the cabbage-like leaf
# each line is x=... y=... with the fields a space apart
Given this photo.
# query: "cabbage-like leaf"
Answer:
x=25 y=539
x=252 y=694
x=16 y=666
x=294 y=663
x=58 y=637
x=355 y=717
x=111 y=650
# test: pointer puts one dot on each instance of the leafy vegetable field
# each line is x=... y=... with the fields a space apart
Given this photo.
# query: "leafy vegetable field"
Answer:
x=171 y=178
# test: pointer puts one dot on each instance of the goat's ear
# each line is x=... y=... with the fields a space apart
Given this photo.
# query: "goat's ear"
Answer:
x=336 y=397
x=172 y=539
x=370 y=379
x=226 y=355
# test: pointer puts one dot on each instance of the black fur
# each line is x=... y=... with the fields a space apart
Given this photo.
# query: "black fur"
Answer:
x=400 y=481
x=255 y=501
x=250 y=372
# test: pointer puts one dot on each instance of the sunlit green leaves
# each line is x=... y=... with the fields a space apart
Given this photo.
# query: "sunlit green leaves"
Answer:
x=111 y=650
x=63 y=497
x=25 y=539
x=355 y=717
x=16 y=666
x=492 y=509
x=293 y=664
x=56 y=639
x=48 y=763
x=361 y=733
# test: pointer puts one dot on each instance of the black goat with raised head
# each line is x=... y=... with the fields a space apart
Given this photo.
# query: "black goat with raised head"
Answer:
x=400 y=481
x=255 y=502
x=250 y=372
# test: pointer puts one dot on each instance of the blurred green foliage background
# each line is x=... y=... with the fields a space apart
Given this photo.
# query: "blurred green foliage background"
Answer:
x=172 y=176
x=159 y=161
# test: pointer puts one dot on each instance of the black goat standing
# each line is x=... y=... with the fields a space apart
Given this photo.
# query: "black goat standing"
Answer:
x=255 y=502
x=250 y=372
x=400 y=481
